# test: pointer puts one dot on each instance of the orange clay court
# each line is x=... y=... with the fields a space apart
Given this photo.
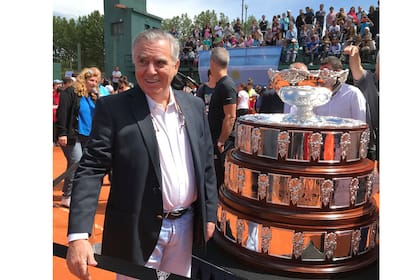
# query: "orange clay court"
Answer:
x=60 y=217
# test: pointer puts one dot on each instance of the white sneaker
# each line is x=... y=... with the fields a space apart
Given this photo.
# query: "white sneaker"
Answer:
x=65 y=201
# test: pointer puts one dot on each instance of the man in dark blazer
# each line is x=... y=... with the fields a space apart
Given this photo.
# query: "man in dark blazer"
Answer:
x=157 y=142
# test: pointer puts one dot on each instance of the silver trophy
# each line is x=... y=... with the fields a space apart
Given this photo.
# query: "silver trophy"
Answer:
x=307 y=89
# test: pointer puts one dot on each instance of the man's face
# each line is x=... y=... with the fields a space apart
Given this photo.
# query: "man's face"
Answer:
x=154 y=66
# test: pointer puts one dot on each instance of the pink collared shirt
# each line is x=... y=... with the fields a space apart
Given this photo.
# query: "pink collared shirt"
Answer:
x=176 y=163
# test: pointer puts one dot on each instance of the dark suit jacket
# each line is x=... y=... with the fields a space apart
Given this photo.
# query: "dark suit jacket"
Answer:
x=271 y=102
x=123 y=138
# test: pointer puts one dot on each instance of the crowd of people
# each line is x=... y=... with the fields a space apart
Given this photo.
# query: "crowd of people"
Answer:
x=166 y=149
x=316 y=34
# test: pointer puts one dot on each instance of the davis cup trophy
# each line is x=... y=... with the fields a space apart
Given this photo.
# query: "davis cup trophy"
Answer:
x=297 y=194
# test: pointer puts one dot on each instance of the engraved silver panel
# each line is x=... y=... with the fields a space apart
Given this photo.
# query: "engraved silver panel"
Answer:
x=330 y=150
x=269 y=141
x=250 y=188
x=245 y=138
x=294 y=145
x=344 y=245
x=341 y=195
x=278 y=190
x=364 y=240
x=313 y=246
x=281 y=245
x=304 y=192
x=252 y=238
x=308 y=246
x=353 y=152
x=230 y=228
x=310 y=192
x=299 y=146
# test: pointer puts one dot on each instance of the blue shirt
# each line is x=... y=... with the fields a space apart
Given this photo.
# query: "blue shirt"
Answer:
x=86 y=110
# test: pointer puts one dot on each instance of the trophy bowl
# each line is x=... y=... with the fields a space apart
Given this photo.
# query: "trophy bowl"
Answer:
x=303 y=90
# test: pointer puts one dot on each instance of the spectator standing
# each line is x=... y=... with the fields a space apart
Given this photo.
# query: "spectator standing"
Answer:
x=74 y=123
x=300 y=22
x=115 y=76
x=368 y=83
x=341 y=16
x=284 y=24
x=373 y=16
x=330 y=18
x=154 y=214
x=263 y=24
x=309 y=16
x=228 y=30
x=218 y=29
x=205 y=90
x=360 y=12
x=292 y=20
x=243 y=101
x=366 y=22
x=320 y=18
x=123 y=84
x=222 y=109
x=347 y=101
x=353 y=15
x=270 y=101
x=237 y=29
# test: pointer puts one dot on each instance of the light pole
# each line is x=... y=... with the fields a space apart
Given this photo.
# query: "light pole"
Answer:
x=246 y=18
x=242 y=17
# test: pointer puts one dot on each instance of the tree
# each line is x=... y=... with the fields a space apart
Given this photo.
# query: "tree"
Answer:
x=182 y=24
x=88 y=31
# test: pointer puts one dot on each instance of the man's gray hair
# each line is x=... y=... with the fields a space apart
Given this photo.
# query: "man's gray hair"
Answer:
x=154 y=35
x=220 y=56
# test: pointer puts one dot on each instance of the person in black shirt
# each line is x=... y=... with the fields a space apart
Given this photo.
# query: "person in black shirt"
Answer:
x=222 y=109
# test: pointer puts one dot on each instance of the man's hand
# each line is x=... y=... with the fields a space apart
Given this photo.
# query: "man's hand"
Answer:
x=351 y=50
x=79 y=256
x=210 y=230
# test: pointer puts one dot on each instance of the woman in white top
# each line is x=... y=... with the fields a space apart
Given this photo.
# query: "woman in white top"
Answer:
x=243 y=100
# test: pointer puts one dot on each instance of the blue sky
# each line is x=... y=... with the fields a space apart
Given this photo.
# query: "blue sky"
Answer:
x=232 y=9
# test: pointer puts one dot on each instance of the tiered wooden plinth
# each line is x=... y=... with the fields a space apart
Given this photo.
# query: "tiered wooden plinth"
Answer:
x=298 y=200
